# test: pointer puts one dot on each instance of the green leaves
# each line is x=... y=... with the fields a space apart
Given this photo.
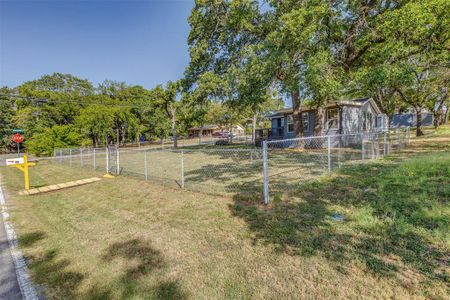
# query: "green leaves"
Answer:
x=58 y=136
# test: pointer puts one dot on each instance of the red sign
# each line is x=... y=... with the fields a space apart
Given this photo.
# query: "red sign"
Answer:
x=17 y=138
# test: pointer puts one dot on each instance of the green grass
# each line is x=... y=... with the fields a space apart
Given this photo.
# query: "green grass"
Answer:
x=127 y=238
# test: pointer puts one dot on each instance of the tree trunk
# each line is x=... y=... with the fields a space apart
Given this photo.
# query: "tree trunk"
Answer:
x=297 y=113
x=230 y=133
x=419 y=130
x=173 y=111
x=319 y=121
x=447 y=113
x=123 y=135
x=436 y=119
x=254 y=120
x=200 y=134
x=388 y=123
x=117 y=136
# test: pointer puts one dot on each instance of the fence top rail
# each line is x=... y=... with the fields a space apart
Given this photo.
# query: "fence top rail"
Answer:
x=246 y=150
x=126 y=150
x=307 y=138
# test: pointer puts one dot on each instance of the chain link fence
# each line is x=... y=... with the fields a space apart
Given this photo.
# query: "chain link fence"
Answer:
x=210 y=170
x=277 y=167
x=291 y=162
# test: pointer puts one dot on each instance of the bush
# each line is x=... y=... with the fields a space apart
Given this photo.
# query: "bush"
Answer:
x=58 y=136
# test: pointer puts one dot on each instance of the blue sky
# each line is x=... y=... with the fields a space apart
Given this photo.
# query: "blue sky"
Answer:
x=140 y=42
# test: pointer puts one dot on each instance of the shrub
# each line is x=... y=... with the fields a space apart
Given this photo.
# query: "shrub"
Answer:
x=58 y=136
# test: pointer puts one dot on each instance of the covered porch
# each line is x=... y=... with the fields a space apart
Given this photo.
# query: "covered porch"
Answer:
x=268 y=134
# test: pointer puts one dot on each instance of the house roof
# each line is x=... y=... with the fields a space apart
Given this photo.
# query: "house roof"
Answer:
x=355 y=102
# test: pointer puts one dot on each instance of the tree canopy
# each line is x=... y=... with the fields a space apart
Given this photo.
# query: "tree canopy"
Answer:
x=319 y=51
x=245 y=57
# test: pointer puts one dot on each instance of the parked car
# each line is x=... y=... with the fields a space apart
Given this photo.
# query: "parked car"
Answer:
x=222 y=142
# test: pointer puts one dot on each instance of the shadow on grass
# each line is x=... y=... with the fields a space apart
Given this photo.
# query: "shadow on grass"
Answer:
x=392 y=214
x=28 y=239
x=242 y=172
x=144 y=260
x=63 y=282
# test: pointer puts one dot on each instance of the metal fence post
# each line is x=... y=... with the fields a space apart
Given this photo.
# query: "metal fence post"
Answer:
x=182 y=169
x=362 y=147
x=145 y=165
x=117 y=161
x=265 y=173
x=60 y=156
x=70 y=156
x=107 y=158
x=329 y=154
x=372 y=143
x=94 y=159
x=81 y=157
x=409 y=134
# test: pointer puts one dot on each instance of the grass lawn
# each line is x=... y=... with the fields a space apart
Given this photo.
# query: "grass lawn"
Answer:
x=127 y=238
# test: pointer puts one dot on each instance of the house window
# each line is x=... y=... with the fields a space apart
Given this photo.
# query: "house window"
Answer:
x=290 y=123
x=333 y=118
x=305 y=120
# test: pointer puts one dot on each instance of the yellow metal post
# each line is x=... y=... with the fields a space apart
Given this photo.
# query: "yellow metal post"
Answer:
x=25 y=173
x=24 y=168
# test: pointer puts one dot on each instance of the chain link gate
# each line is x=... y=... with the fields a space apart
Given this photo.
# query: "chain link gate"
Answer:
x=113 y=160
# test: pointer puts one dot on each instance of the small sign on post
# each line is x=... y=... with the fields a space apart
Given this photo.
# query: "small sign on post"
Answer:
x=22 y=164
x=14 y=161
x=18 y=138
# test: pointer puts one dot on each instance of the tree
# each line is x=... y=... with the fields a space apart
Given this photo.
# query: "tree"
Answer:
x=410 y=37
x=58 y=136
x=231 y=38
x=51 y=100
x=223 y=45
x=166 y=99
x=439 y=94
x=6 y=116
x=300 y=31
x=380 y=83
x=225 y=117
x=96 y=122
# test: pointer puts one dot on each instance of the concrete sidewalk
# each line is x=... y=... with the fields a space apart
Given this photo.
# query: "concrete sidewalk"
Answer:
x=9 y=286
x=15 y=282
